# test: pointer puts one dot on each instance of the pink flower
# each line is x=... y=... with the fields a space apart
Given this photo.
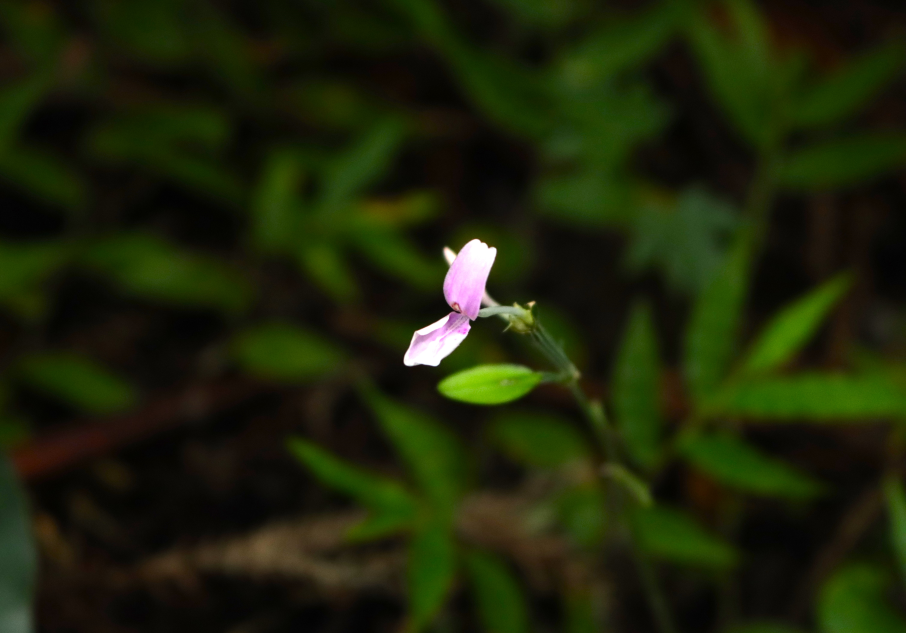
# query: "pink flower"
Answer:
x=463 y=290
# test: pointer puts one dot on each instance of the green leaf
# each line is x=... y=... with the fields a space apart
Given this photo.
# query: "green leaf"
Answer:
x=501 y=603
x=586 y=199
x=384 y=496
x=636 y=388
x=732 y=461
x=582 y=510
x=812 y=397
x=17 y=101
x=325 y=265
x=433 y=454
x=150 y=268
x=853 y=601
x=672 y=535
x=23 y=267
x=787 y=332
x=490 y=384
x=538 y=439
x=431 y=572
x=44 y=176
x=712 y=332
x=580 y=612
x=285 y=352
x=687 y=239
x=77 y=381
x=392 y=253
x=849 y=89
x=380 y=525
x=18 y=558
x=276 y=203
x=360 y=165
x=764 y=627
x=896 y=511
x=843 y=162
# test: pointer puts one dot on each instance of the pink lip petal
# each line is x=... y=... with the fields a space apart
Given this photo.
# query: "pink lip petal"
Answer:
x=465 y=281
x=433 y=343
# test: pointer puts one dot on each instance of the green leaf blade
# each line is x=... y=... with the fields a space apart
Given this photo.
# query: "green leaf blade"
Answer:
x=539 y=440
x=287 y=353
x=843 y=162
x=896 y=512
x=736 y=463
x=853 y=601
x=787 y=332
x=431 y=573
x=501 y=602
x=636 y=388
x=490 y=384
x=78 y=381
x=672 y=535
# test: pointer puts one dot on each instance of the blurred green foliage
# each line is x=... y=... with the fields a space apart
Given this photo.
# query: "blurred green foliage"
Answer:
x=181 y=95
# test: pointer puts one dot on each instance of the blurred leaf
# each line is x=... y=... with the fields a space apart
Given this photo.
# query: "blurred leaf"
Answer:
x=17 y=101
x=392 y=253
x=672 y=535
x=432 y=570
x=490 y=384
x=360 y=165
x=150 y=268
x=276 y=203
x=538 y=439
x=688 y=242
x=414 y=208
x=580 y=612
x=582 y=510
x=380 y=525
x=624 y=44
x=636 y=388
x=812 y=397
x=711 y=335
x=789 y=330
x=586 y=199
x=153 y=31
x=849 y=89
x=543 y=14
x=736 y=463
x=433 y=454
x=225 y=49
x=896 y=511
x=44 y=176
x=501 y=602
x=843 y=162
x=335 y=103
x=33 y=29
x=764 y=627
x=383 y=496
x=18 y=558
x=285 y=352
x=14 y=431
x=737 y=69
x=853 y=601
x=23 y=267
x=325 y=265
x=630 y=482
x=77 y=381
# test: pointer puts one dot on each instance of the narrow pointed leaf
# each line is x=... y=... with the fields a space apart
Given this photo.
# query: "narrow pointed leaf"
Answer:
x=843 y=162
x=636 y=388
x=854 y=600
x=383 y=495
x=286 y=352
x=896 y=512
x=732 y=461
x=812 y=397
x=490 y=384
x=275 y=204
x=792 y=328
x=433 y=454
x=431 y=572
x=712 y=332
x=18 y=558
x=501 y=602
x=674 y=536
x=847 y=90
x=78 y=381
x=539 y=440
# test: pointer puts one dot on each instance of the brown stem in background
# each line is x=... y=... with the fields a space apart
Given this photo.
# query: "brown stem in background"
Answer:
x=56 y=451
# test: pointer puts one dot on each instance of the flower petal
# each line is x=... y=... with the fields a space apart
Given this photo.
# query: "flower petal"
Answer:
x=432 y=344
x=466 y=279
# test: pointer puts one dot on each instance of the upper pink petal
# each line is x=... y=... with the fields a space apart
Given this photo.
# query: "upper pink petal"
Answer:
x=467 y=277
x=433 y=343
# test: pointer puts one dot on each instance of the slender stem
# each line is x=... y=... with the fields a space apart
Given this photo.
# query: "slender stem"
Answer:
x=597 y=419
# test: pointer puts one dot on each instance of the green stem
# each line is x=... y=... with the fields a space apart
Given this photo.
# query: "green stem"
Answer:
x=597 y=418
